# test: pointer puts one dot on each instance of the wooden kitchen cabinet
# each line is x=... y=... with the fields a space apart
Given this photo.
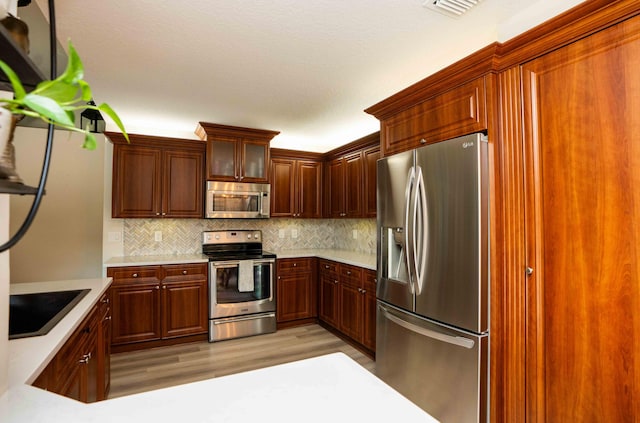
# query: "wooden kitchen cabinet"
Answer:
x=296 y=184
x=296 y=291
x=236 y=154
x=77 y=370
x=457 y=111
x=184 y=300
x=347 y=301
x=152 y=304
x=156 y=177
x=351 y=179
x=370 y=158
x=329 y=297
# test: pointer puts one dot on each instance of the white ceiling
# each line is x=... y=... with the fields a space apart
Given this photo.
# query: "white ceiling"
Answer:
x=305 y=68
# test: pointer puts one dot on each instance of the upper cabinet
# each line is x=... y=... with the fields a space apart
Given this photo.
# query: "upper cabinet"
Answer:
x=351 y=179
x=156 y=177
x=236 y=154
x=296 y=184
x=455 y=112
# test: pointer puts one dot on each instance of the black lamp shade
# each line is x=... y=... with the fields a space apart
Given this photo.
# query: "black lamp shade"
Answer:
x=92 y=119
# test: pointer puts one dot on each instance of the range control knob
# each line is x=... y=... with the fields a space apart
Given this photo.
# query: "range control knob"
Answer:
x=248 y=236
x=256 y=235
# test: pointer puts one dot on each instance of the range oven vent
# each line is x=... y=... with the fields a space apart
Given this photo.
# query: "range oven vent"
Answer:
x=452 y=8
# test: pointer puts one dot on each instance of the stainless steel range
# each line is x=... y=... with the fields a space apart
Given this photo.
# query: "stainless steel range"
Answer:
x=241 y=284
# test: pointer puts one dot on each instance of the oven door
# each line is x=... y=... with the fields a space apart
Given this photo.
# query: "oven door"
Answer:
x=240 y=287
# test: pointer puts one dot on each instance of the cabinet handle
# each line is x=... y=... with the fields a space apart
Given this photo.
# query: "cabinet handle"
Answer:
x=184 y=272
x=295 y=264
x=107 y=318
x=85 y=359
x=164 y=286
x=423 y=141
x=359 y=289
x=157 y=214
x=157 y=287
x=135 y=275
x=348 y=272
x=164 y=214
x=364 y=291
x=278 y=277
x=335 y=281
x=105 y=301
x=326 y=266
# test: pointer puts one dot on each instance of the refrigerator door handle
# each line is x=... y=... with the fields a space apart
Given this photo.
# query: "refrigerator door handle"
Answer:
x=408 y=240
x=455 y=340
x=422 y=243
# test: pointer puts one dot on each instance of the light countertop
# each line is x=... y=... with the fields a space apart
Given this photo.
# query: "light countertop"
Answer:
x=156 y=260
x=368 y=261
x=322 y=389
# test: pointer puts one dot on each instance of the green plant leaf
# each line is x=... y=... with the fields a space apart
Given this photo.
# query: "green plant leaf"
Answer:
x=104 y=107
x=74 y=71
x=18 y=90
x=48 y=108
x=86 y=90
x=89 y=141
x=59 y=91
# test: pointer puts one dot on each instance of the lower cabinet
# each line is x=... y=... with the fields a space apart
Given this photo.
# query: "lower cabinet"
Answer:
x=158 y=303
x=348 y=301
x=296 y=290
x=80 y=369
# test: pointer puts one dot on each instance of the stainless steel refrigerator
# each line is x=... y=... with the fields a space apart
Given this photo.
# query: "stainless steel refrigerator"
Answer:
x=433 y=277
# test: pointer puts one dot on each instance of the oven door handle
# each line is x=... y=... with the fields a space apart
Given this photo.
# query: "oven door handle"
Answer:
x=242 y=319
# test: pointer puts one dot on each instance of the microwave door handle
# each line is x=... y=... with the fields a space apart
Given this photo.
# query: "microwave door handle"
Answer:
x=407 y=230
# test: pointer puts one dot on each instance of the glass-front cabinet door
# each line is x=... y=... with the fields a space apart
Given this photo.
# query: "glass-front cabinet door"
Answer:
x=255 y=156
x=222 y=163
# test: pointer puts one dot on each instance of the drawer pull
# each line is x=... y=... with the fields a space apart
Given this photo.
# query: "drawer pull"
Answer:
x=348 y=272
x=105 y=301
x=184 y=272
x=107 y=318
x=423 y=141
x=135 y=275
x=295 y=264
x=326 y=266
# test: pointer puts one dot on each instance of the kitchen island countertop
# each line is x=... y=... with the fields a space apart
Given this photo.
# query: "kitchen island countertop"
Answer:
x=322 y=389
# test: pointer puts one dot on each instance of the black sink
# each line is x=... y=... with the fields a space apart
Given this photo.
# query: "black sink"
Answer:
x=36 y=314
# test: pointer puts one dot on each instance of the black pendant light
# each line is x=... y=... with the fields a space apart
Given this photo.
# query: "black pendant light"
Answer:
x=92 y=119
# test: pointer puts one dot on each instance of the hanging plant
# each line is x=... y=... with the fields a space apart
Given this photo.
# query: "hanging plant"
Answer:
x=55 y=101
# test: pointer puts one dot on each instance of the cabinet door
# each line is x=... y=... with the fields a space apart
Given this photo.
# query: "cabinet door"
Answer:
x=329 y=303
x=370 y=157
x=369 y=310
x=294 y=296
x=223 y=158
x=309 y=189
x=353 y=185
x=456 y=112
x=183 y=184
x=184 y=308
x=104 y=347
x=136 y=182
x=254 y=160
x=283 y=191
x=336 y=198
x=582 y=202
x=350 y=310
x=136 y=312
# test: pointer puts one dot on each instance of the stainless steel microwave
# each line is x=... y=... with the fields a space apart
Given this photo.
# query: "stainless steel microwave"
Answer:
x=237 y=200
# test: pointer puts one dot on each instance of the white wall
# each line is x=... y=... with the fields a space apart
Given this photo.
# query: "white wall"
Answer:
x=65 y=239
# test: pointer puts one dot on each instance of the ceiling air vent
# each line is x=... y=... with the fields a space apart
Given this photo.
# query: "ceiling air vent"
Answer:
x=452 y=8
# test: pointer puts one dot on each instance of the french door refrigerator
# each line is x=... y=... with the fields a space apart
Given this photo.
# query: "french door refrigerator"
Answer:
x=433 y=277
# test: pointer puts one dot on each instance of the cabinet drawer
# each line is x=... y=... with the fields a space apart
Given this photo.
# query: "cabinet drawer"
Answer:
x=351 y=275
x=134 y=274
x=185 y=271
x=370 y=277
x=328 y=266
x=295 y=265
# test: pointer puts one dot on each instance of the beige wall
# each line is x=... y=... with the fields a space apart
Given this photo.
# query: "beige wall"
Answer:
x=65 y=240
x=4 y=294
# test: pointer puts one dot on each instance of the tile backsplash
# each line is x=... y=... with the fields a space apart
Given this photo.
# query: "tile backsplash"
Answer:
x=184 y=236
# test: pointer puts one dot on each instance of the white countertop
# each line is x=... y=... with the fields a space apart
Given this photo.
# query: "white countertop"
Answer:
x=323 y=389
x=156 y=260
x=368 y=261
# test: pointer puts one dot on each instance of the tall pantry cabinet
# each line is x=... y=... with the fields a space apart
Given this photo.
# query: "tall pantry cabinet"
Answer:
x=562 y=119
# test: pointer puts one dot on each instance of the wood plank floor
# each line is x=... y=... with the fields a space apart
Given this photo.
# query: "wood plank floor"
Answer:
x=140 y=371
